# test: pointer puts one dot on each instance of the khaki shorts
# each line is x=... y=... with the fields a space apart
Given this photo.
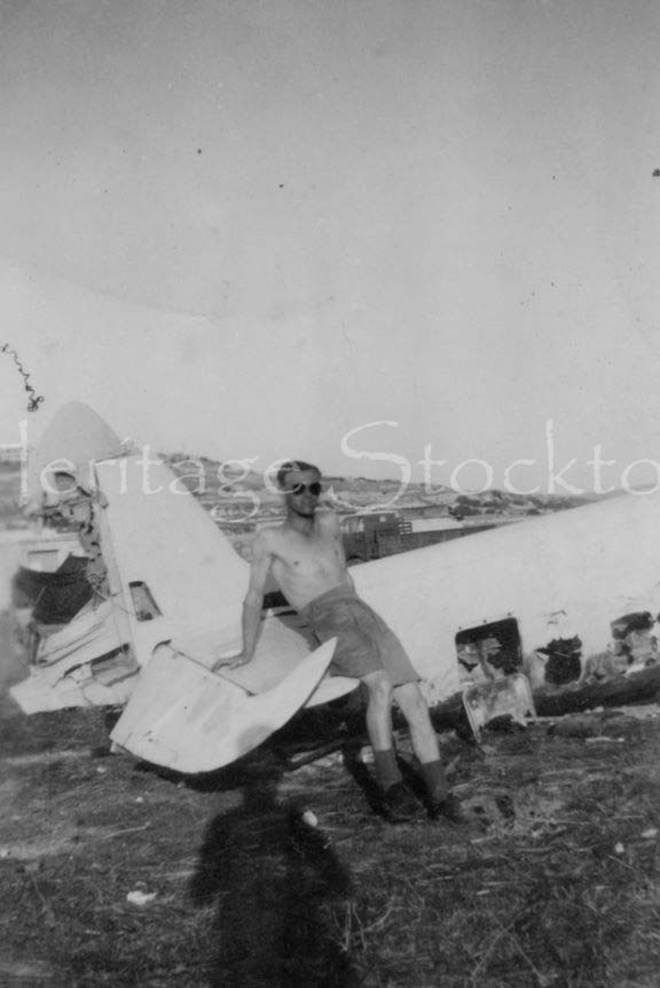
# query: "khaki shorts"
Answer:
x=365 y=644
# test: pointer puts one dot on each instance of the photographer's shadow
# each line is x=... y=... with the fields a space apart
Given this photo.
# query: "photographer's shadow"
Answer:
x=282 y=896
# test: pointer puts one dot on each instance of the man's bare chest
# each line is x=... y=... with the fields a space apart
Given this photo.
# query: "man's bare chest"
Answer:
x=298 y=552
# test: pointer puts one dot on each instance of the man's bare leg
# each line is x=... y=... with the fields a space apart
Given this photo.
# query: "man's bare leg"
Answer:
x=414 y=708
x=398 y=802
x=379 y=709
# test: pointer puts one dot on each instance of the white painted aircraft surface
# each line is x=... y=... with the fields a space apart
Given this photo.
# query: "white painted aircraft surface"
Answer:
x=174 y=585
x=171 y=602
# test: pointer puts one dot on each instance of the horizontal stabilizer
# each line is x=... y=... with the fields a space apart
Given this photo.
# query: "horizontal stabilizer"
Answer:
x=280 y=650
x=187 y=718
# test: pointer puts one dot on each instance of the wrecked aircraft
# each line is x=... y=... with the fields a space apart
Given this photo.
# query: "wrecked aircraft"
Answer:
x=157 y=591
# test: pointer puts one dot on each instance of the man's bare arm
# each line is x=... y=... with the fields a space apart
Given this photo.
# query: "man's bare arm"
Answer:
x=262 y=558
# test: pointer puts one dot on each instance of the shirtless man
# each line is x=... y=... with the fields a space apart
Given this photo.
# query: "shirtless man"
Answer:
x=307 y=559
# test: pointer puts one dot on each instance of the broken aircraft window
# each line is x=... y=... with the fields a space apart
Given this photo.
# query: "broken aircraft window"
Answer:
x=489 y=651
x=146 y=608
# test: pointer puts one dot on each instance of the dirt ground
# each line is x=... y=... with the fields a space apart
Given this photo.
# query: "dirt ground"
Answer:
x=114 y=874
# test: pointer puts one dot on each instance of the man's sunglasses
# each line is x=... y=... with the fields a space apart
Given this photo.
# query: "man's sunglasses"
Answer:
x=314 y=488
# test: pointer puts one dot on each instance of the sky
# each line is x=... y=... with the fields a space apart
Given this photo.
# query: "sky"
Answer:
x=387 y=236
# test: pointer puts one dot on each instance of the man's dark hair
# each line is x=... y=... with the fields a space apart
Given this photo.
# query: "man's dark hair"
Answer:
x=290 y=465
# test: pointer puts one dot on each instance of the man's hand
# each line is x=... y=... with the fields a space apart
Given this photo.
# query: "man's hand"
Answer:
x=233 y=662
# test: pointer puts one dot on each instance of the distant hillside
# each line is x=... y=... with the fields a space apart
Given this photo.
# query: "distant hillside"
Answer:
x=237 y=499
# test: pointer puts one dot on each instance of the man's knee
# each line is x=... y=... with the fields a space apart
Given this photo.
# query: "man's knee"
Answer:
x=409 y=698
x=379 y=687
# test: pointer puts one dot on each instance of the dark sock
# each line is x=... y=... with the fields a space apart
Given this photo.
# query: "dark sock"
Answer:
x=435 y=779
x=386 y=767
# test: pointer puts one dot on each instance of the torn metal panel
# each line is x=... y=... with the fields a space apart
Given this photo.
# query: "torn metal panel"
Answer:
x=92 y=633
x=509 y=697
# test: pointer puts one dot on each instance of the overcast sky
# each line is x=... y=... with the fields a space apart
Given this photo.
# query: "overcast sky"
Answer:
x=250 y=228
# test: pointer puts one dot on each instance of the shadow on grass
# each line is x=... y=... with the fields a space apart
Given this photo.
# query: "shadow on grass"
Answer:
x=365 y=779
x=281 y=895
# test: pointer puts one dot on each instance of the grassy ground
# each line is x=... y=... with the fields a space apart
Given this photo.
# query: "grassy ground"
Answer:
x=115 y=875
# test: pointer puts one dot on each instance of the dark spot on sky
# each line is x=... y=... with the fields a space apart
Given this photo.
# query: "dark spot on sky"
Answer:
x=199 y=150
x=281 y=185
x=656 y=173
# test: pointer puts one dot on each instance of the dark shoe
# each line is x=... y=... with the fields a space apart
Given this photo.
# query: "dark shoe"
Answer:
x=399 y=804
x=451 y=809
